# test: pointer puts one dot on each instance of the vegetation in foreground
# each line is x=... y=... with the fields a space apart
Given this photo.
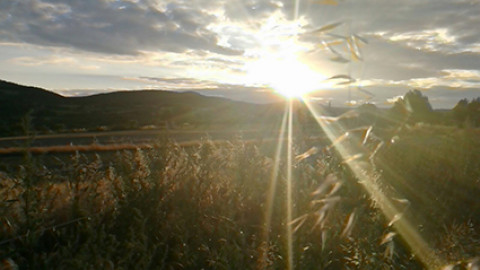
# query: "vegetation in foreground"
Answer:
x=205 y=207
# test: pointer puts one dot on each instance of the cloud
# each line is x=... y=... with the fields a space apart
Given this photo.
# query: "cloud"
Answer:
x=453 y=79
x=179 y=83
x=472 y=75
x=112 y=27
x=174 y=83
x=48 y=61
x=32 y=61
x=407 y=39
x=394 y=99
x=431 y=40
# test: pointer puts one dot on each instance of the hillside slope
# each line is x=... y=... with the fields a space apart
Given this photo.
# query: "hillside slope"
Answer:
x=121 y=110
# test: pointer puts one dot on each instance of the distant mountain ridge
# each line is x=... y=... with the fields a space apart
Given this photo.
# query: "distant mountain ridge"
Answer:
x=52 y=112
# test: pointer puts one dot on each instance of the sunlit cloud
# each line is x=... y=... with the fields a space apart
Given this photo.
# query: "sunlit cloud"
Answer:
x=53 y=60
x=454 y=79
x=431 y=40
x=175 y=83
x=472 y=75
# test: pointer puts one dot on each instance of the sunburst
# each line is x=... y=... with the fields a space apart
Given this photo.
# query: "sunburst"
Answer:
x=285 y=74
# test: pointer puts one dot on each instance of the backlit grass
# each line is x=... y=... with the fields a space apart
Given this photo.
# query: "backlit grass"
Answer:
x=205 y=206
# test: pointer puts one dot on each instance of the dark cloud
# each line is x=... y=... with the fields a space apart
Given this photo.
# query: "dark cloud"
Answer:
x=459 y=18
x=395 y=61
x=113 y=27
x=408 y=40
x=396 y=16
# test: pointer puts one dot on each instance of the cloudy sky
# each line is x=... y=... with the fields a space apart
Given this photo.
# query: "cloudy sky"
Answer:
x=375 y=50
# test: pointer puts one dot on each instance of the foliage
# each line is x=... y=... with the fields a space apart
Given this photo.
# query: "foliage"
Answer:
x=204 y=207
x=413 y=107
x=467 y=113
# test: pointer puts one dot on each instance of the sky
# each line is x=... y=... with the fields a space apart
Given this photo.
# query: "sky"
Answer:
x=339 y=51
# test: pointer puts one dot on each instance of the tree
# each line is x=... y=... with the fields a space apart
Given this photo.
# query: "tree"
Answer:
x=467 y=113
x=417 y=103
x=473 y=109
x=460 y=112
x=413 y=105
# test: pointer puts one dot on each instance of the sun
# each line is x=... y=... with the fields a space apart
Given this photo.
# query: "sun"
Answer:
x=286 y=75
x=280 y=61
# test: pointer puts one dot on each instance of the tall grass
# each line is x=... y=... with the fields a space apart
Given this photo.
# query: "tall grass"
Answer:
x=203 y=207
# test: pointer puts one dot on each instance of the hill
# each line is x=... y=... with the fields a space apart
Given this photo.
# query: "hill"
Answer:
x=51 y=112
x=127 y=110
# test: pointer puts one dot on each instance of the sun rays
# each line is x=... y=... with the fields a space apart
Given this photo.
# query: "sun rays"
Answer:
x=353 y=155
x=289 y=179
x=278 y=66
x=364 y=172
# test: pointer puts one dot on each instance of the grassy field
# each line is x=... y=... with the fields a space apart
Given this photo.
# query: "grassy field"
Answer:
x=207 y=206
